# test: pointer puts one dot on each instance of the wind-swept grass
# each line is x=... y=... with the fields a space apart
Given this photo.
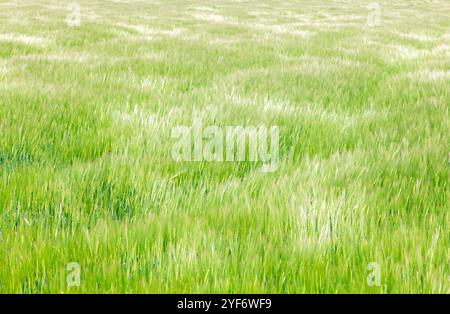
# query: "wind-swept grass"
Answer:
x=86 y=173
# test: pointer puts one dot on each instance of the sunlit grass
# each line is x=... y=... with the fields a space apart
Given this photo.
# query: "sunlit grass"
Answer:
x=86 y=174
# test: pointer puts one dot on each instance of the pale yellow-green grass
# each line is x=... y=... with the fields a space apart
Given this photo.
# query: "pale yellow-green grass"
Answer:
x=86 y=173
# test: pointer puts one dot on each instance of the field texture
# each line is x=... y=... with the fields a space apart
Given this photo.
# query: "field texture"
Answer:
x=91 y=199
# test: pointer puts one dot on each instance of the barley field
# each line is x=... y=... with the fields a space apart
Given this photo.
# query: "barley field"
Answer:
x=91 y=200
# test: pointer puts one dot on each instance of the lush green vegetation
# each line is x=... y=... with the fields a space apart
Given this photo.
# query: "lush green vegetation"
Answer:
x=86 y=173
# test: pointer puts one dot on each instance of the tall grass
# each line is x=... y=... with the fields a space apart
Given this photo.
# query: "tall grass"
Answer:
x=86 y=174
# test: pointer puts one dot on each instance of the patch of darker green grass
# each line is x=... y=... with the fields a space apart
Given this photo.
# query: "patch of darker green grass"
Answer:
x=13 y=49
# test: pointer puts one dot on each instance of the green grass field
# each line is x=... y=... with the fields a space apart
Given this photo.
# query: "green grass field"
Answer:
x=87 y=177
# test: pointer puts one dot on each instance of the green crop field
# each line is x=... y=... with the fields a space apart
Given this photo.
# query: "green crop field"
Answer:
x=92 y=199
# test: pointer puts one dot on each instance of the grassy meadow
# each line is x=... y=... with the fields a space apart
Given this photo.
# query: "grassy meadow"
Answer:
x=87 y=177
